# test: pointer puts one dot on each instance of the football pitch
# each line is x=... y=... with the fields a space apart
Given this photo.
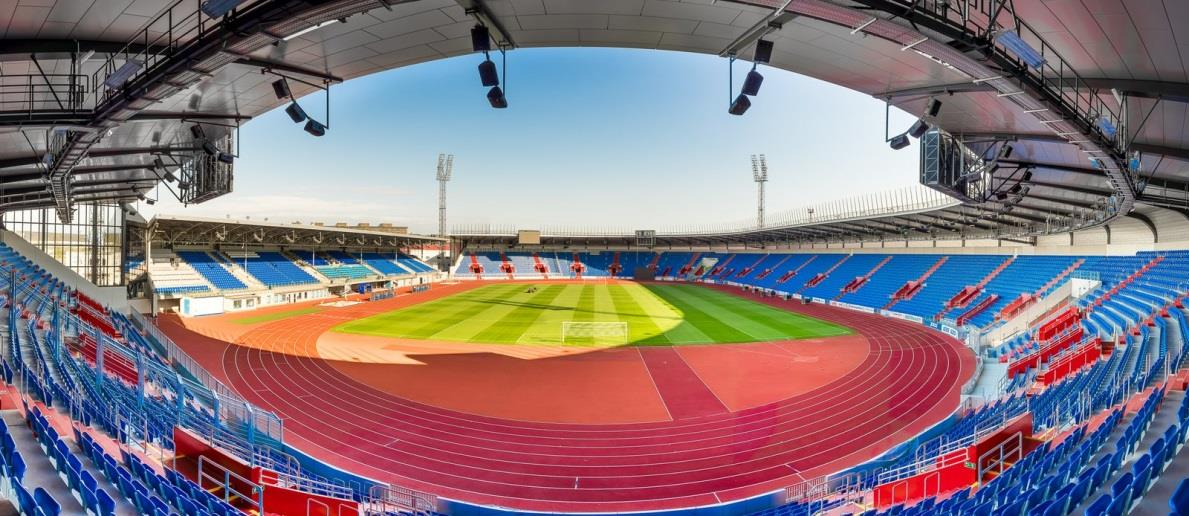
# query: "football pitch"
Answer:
x=521 y=313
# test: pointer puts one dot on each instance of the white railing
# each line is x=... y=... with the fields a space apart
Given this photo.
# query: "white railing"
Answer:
x=895 y=202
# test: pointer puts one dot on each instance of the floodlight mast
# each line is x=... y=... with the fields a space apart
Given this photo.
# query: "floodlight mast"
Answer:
x=759 y=173
x=445 y=170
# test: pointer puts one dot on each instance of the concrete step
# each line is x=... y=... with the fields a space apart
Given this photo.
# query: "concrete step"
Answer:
x=39 y=470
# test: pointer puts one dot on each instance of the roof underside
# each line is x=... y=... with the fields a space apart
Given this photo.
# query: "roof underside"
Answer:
x=1137 y=52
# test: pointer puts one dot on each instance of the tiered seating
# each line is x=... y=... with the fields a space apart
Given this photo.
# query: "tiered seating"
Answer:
x=212 y=270
x=956 y=273
x=384 y=264
x=836 y=277
x=1024 y=275
x=172 y=275
x=272 y=269
x=413 y=264
x=352 y=271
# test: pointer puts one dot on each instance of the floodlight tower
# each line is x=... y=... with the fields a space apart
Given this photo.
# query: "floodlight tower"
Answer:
x=445 y=170
x=759 y=173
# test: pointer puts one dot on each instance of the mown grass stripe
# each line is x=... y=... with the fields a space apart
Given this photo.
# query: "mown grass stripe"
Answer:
x=514 y=324
x=763 y=321
x=656 y=315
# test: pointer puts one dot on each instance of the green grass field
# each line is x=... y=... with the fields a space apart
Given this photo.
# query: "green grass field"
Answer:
x=656 y=315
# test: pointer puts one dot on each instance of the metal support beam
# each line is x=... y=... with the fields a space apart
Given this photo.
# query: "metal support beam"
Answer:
x=940 y=89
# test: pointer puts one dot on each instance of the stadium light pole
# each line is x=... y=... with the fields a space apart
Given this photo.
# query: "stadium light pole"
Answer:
x=759 y=173
x=445 y=170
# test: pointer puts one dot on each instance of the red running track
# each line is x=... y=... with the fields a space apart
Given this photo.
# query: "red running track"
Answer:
x=910 y=379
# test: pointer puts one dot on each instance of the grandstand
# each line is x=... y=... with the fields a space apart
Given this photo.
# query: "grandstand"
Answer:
x=1008 y=337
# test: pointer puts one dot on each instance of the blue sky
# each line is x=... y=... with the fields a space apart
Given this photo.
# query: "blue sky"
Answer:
x=593 y=136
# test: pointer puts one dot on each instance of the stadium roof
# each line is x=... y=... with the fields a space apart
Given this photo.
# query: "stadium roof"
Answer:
x=213 y=71
x=175 y=230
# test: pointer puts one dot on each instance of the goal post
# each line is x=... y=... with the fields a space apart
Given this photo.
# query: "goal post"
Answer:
x=594 y=332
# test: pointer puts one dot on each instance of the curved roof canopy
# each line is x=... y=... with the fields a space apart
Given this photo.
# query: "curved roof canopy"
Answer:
x=66 y=136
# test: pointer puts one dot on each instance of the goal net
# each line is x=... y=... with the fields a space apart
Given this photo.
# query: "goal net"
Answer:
x=594 y=332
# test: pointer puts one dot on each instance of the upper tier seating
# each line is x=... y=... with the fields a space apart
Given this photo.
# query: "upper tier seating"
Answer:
x=212 y=270
x=172 y=275
x=271 y=268
x=413 y=264
x=385 y=264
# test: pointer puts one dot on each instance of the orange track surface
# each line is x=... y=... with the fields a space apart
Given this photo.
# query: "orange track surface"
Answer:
x=613 y=429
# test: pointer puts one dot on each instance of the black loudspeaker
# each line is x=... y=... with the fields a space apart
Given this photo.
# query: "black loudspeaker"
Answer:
x=899 y=141
x=281 y=89
x=740 y=106
x=296 y=113
x=934 y=107
x=496 y=97
x=480 y=39
x=919 y=128
x=488 y=74
x=751 y=85
x=763 y=51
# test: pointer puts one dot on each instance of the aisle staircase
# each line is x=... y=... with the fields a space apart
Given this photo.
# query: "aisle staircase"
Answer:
x=823 y=275
x=970 y=293
x=789 y=274
x=911 y=287
x=858 y=282
x=540 y=266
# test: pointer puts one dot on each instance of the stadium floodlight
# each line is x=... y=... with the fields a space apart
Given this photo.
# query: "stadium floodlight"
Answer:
x=933 y=108
x=197 y=132
x=158 y=165
x=740 y=106
x=763 y=52
x=919 y=128
x=480 y=38
x=218 y=8
x=281 y=88
x=488 y=73
x=210 y=148
x=122 y=74
x=899 y=141
x=296 y=113
x=315 y=127
x=1012 y=41
x=496 y=97
x=751 y=84
x=226 y=158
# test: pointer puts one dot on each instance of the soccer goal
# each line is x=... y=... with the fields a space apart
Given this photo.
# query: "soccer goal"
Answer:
x=595 y=332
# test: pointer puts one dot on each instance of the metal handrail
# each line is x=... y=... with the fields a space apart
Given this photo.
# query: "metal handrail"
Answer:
x=256 y=497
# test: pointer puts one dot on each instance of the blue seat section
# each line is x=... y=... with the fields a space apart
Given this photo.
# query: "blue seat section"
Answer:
x=1025 y=275
x=877 y=291
x=413 y=264
x=351 y=271
x=274 y=270
x=212 y=270
x=343 y=258
x=848 y=269
x=384 y=264
x=817 y=264
x=959 y=271
x=67 y=384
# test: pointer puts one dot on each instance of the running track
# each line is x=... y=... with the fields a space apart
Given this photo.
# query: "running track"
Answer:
x=910 y=380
